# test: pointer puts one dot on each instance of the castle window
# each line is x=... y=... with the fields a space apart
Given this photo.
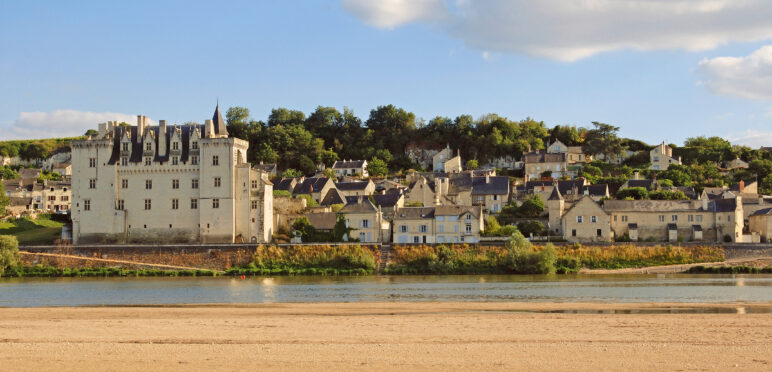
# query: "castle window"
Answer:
x=149 y=146
x=124 y=183
x=175 y=145
x=215 y=160
x=175 y=184
x=194 y=145
x=254 y=184
x=193 y=203
x=174 y=160
x=148 y=184
x=124 y=161
x=194 y=160
x=148 y=160
x=119 y=204
x=92 y=162
x=148 y=204
x=175 y=204
x=87 y=205
x=92 y=183
x=125 y=146
x=217 y=182
x=254 y=204
x=194 y=183
x=215 y=203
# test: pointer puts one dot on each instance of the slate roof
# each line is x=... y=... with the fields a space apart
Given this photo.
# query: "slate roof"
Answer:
x=387 y=200
x=339 y=164
x=310 y=185
x=763 y=212
x=20 y=201
x=597 y=190
x=136 y=142
x=333 y=197
x=457 y=210
x=647 y=184
x=220 y=127
x=360 y=205
x=724 y=205
x=665 y=206
x=543 y=157
x=322 y=221
x=285 y=184
x=413 y=213
x=352 y=186
x=498 y=185
x=555 y=195
x=270 y=167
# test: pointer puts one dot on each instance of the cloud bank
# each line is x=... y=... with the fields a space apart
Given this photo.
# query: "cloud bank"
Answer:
x=751 y=138
x=59 y=123
x=572 y=30
x=746 y=77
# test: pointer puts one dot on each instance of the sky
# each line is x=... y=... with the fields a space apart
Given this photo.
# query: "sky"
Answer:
x=661 y=70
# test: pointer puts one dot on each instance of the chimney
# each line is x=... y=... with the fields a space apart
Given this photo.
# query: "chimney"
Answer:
x=637 y=176
x=162 y=138
x=487 y=178
x=741 y=185
x=705 y=203
x=208 y=128
x=140 y=126
x=761 y=199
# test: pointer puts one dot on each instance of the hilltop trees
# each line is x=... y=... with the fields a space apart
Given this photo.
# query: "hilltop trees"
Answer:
x=603 y=140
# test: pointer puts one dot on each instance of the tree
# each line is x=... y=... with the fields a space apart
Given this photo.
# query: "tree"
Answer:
x=530 y=227
x=765 y=186
x=236 y=119
x=341 y=231
x=394 y=127
x=714 y=149
x=591 y=173
x=668 y=195
x=637 y=193
x=679 y=174
x=9 y=252
x=377 y=167
x=472 y=164
x=603 y=140
x=307 y=231
x=91 y=132
x=532 y=207
x=569 y=135
x=306 y=165
x=4 y=200
x=328 y=157
x=283 y=116
x=291 y=173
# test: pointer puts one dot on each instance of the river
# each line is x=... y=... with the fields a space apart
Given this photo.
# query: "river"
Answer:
x=34 y=292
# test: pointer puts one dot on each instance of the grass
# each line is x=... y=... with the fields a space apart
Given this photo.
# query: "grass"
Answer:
x=50 y=271
x=631 y=255
x=310 y=260
x=42 y=230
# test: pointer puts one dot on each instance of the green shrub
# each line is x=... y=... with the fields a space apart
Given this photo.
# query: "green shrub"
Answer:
x=9 y=252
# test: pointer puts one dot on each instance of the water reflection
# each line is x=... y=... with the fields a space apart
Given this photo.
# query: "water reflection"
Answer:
x=575 y=288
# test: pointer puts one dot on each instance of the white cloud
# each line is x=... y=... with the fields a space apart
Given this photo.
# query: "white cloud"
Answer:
x=751 y=138
x=486 y=55
x=391 y=13
x=747 y=77
x=571 y=30
x=59 y=123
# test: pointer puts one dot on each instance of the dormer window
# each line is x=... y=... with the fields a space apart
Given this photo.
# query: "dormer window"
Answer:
x=124 y=161
x=175 y=145
x=174 y=160
x=149 y=146
x=125 y=146
x=194 y=145
x=148 y=160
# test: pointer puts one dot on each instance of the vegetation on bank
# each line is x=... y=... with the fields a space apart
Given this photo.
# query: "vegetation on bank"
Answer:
x=55 y=272
x=41 y=230
x=729 y=270
x=631 y=255
x=310 y=260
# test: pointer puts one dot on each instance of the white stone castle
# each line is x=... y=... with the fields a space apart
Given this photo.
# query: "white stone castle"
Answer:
x=175 y=184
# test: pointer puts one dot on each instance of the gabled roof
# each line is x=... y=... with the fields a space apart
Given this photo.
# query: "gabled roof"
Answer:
x=498 y=185
x=544 y=157
x=219 y=124
x=353 y=186
x=348 y=164
x=555 y=194
x=652 y=205
x=457 y=210
x=322 y=221
x=763 y=212
x=311 y=185
x=724 y=205
x=413 y=213
x=333 y=197
x=286 y=184
x=597 y=190
x=387 y=200
x=136 y=143
x=270 y=167
x=360 y=205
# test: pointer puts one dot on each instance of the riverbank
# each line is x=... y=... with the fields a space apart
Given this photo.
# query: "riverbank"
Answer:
x=385 y=336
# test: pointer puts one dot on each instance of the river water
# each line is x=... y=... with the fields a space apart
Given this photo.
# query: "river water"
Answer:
x=16 y=292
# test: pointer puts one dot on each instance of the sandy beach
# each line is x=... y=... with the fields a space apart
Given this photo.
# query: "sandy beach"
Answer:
x=384 y=336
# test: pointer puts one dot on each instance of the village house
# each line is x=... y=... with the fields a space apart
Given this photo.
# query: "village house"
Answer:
x=159 y=184
x=366 y=220
x=316 y=187
x=445 y=162
x=574 y=154
x=269 y=169
x=28 y=195
x=539 y=162
x=441 y=224
x=585 y=221
x=355 y=188
x=421 y=154
x=63 y=169
x=661 y=157
x=761 y=224
x=492 y=193
x=333 y=197
x=350 y=167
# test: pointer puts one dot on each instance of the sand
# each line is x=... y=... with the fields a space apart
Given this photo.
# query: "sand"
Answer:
x=383 y=336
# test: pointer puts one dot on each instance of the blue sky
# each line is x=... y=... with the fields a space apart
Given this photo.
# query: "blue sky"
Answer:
x=65 y=66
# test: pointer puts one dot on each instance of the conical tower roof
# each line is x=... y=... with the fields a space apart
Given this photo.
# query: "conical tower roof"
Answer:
x=219 y=123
